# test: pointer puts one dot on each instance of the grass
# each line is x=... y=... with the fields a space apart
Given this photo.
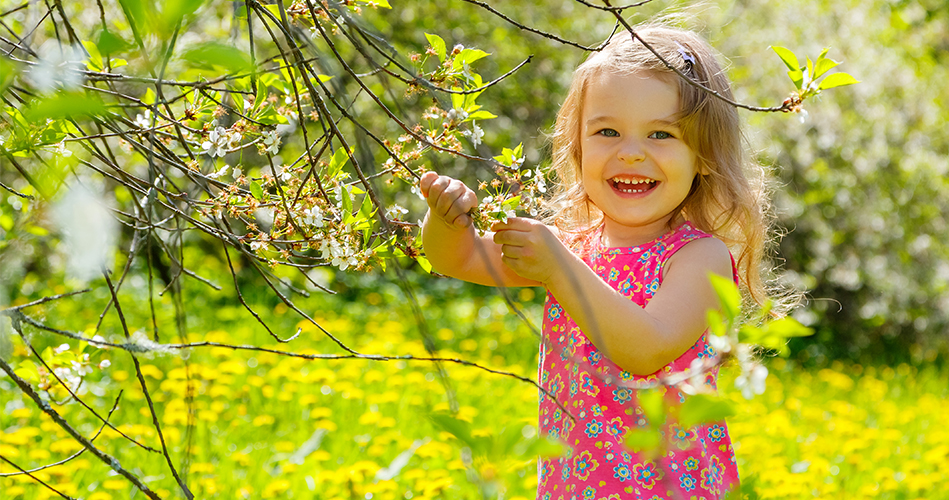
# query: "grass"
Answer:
x=243 y=424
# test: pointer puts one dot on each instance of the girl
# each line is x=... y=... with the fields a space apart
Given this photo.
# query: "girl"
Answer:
x=654 y=194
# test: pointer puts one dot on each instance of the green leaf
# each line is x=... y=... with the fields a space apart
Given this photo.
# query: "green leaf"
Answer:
x=339 y=159
x=716 y=323
x=149 y=97
x=95 y=58
x=837 y=80
x=256 y=190
x=65 y=105
x=438 y=44
x=823 y=66
x=654 y=405
x=217 y=55
x=643 y=439
x=751 y=334
x=346 y=198
x=704 y=408
x=174 y=10
x=788 y=327
x=8 y=71
x=424 y=264
x=797 y=76
x=109 y=43
x=790 y=60
x=467 y=56
x=481 y=115
x=728 y=295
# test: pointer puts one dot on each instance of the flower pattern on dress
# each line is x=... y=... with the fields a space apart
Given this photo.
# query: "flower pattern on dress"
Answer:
x=602 y=400
x=646 y=474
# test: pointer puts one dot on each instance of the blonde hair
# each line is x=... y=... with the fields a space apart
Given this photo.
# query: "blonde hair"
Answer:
x=729 y=199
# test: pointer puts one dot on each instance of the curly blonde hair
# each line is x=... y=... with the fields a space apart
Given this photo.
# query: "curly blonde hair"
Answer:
x=731 y=200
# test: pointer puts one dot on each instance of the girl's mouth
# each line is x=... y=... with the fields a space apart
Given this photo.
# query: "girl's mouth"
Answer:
x=633 y=186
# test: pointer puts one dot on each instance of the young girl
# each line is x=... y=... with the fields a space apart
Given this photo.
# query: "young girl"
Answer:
x=654 y=194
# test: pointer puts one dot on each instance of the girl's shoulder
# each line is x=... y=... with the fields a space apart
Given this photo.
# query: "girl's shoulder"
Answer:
x=695 y=249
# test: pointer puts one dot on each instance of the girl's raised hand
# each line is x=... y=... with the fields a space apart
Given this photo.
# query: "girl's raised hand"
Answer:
x=530 y=248
x=449 y=199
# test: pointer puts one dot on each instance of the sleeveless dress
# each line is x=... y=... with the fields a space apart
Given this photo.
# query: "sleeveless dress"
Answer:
x=696 y=463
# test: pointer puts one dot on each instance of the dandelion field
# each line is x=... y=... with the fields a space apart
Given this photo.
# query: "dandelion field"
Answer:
x=252 y=424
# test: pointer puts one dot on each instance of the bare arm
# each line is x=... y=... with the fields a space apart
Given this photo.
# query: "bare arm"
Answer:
x=450 y=241
x=640 y=340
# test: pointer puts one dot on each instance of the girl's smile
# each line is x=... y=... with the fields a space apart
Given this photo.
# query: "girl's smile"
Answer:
x=636 y=167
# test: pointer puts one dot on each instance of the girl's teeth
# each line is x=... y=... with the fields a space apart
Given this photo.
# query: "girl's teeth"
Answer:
x=633 y=186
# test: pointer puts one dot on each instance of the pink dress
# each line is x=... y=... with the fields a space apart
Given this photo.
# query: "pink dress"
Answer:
x=697 y=463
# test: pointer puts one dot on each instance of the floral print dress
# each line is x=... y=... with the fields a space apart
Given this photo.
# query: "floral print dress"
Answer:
x=696 y=463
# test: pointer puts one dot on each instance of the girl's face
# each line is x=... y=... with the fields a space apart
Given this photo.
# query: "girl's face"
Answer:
x=636 y=168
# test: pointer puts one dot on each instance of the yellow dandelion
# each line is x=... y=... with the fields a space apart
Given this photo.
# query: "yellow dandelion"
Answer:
x=262 y=420
x=284 y=446
x=151 y=371
x=275 y=488
x=115 y=484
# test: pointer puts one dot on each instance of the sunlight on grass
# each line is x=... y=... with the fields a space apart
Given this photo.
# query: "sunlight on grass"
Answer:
x=266 y=426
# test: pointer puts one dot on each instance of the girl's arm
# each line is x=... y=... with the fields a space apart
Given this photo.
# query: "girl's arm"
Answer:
x=640 y=340
x=450 y=241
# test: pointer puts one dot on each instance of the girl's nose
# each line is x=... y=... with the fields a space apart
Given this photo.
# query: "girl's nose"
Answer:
x=631 y=152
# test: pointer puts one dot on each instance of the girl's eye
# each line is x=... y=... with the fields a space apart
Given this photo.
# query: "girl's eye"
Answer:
x=659 y=134
x=608 y=132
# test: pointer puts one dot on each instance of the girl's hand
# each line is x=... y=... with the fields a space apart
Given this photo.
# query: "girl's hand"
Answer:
x=449 y=200
x=530 y=248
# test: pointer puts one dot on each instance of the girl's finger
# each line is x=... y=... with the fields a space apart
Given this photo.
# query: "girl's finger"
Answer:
x=425 y=183
x=510 y=237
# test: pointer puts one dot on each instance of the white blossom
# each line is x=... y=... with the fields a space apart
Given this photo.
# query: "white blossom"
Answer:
x=61 y=349
x=395 y=212
x=271 y=140
x=261 y=243
x=143 y=121
x=62 y=151
x=89 y=232
x=457 y=115
x=719 y=343
x=752 y=382
x=219 y=173
x=105 y=363
x=313 y=217
x=237 y=173
x=216 y=145
x=540 y=181
x=475 y=135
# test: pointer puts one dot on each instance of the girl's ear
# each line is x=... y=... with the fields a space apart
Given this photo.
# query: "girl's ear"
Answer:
x=701 y=167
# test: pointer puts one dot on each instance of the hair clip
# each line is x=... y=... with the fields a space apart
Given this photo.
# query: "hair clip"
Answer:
x=687 y=57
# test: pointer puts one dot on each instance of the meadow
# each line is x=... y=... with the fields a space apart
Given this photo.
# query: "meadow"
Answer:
x=252 y=424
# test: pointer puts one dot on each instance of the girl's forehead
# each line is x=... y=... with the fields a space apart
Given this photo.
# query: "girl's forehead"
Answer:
x=609 y=90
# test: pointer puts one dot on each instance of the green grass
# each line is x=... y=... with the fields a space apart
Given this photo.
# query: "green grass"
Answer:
x=243 y=424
